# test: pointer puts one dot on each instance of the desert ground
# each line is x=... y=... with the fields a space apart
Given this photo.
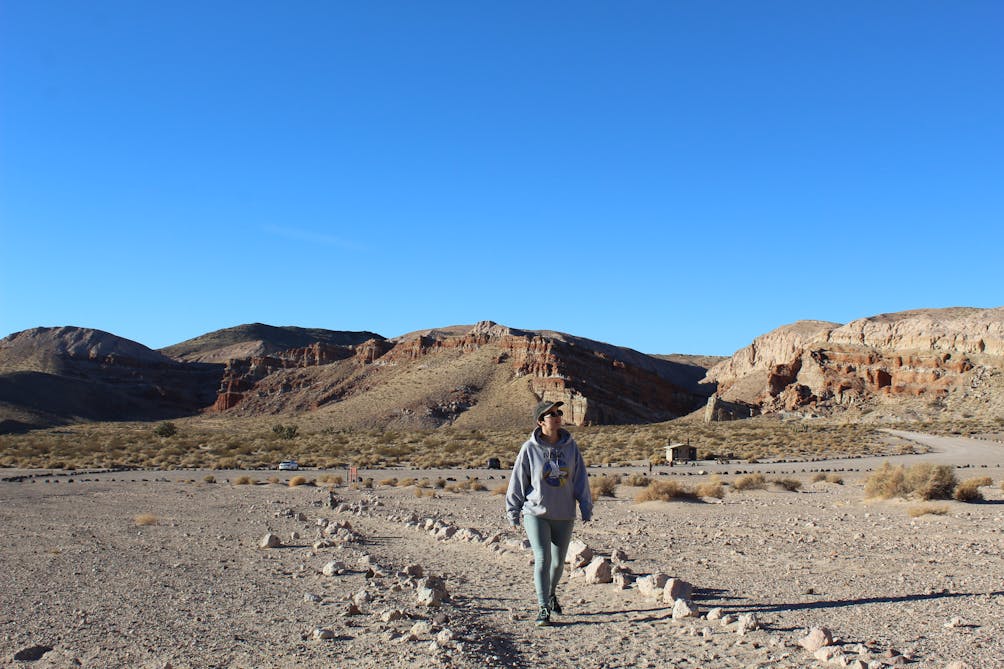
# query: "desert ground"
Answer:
x=165 y=569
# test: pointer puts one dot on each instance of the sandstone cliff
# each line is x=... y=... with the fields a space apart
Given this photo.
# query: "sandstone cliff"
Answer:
x=487 y=375
x=927 y=360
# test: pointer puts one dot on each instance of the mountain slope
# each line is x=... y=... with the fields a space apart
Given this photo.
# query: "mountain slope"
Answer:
x=257 y=339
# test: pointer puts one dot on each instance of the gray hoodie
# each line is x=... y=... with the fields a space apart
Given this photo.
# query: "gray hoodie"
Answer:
x=548 y=479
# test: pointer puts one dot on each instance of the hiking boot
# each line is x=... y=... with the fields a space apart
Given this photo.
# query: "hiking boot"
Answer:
x=544 y=617
x=554 y=605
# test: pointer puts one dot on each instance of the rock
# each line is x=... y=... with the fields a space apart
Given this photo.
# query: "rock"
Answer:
x=729 y=618
x=954 y=622
x=351 y=610
x=445 y=637
x=746 y=623
x=469 y=534
x=579 y=554
x=715 y=613
x=414 y=570
x=311 y=597
x=958 y=665
x=599 y=571
x=431 y=592
x=676 y=589
x=651 y=586
x=619 y=556
x=270 y=541
x=294 y=536
x=446 y=532
x=323 y=634
x=829 y=654
x=391 y=615
x=683 y=608
x=333 y=568
x=362 y=597
x=817 y=638
x=421 y=628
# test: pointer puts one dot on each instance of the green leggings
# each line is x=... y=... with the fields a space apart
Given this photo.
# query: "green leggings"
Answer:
x=549 y=540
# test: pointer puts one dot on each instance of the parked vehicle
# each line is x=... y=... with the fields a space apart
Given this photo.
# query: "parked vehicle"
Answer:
x=288 y=466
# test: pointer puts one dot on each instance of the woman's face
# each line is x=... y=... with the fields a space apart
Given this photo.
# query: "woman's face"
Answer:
x=551 y=421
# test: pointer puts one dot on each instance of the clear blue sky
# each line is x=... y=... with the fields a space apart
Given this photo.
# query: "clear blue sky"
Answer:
x=667 y=176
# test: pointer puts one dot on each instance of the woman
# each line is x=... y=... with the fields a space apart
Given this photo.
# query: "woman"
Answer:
x=549 y=477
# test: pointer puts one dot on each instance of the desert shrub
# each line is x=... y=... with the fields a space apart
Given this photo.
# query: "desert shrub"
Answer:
x=923 y=480
x=791 y=485
x=388 y=482
x=969 y=490
x=368 y=483
x=500 y=489
x=476 y=485
x=928 y=481
x=713 y=487
x=284 y=431
x=754 y=481
x=663 y=491
x=637 y=480
x=927 y=509
x=297 y=480
x=817 y=477
x=274 y=480
x=242 y=480
x=209 y=478
x=835 y=478
x=146 y=519
x=404 y=483
x=603 y=486
x=166 y=429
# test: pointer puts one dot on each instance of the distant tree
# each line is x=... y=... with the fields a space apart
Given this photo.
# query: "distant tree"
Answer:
x=165 y=429
x=285 y=431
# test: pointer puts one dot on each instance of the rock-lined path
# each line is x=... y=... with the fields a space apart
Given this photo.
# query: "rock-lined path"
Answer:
x=344 y=586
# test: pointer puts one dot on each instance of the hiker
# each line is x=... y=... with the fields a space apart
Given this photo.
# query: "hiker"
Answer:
x=547 y=480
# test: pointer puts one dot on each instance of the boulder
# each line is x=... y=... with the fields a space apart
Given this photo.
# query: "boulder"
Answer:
x=817 y=638
x=599 y=571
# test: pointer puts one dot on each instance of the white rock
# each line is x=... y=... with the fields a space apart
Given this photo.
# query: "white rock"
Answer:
x=747 y=622
x=817 y=638
x=676 y=589
x=270 y=541
x=579 y=554
x=333 y=568
x=684 y=609
x=715 y=613
x=651 y=586
x=322 y=633
x=599 y=571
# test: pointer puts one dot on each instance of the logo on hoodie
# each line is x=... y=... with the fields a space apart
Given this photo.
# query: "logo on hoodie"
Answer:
x=555 y=469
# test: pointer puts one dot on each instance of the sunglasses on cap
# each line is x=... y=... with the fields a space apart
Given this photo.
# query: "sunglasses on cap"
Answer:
x=552 y=413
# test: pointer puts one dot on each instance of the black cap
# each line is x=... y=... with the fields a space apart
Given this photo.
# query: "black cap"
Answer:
x=543 y=408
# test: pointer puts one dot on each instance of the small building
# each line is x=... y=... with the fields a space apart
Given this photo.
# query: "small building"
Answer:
x=494 y=463
x=680 y=453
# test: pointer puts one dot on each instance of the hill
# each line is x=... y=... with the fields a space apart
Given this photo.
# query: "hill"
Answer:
x=258 y=339
x=920 y=364
x=54 y=376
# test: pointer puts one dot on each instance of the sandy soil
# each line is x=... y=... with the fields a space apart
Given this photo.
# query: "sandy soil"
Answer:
x=195 y=590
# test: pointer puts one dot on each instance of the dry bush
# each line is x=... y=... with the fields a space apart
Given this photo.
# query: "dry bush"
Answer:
x=816 y=478
x=885 y=482
x=923 y=480
x=209 y=478
x=500 y=489
x=663 y=491
x=388 y=482
x=146 y=519
x=927 y=509
x=637 y=480
x=604 y=486
x=969 y=490
x=243 y=480
x=754 y=481
x=404 y=483
x=297 y=480
x=713 y=487
x=928 y=481
x=791 y=485
x=835 y=478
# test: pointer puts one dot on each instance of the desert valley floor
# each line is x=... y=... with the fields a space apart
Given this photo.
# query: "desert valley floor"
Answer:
x=164 y=569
